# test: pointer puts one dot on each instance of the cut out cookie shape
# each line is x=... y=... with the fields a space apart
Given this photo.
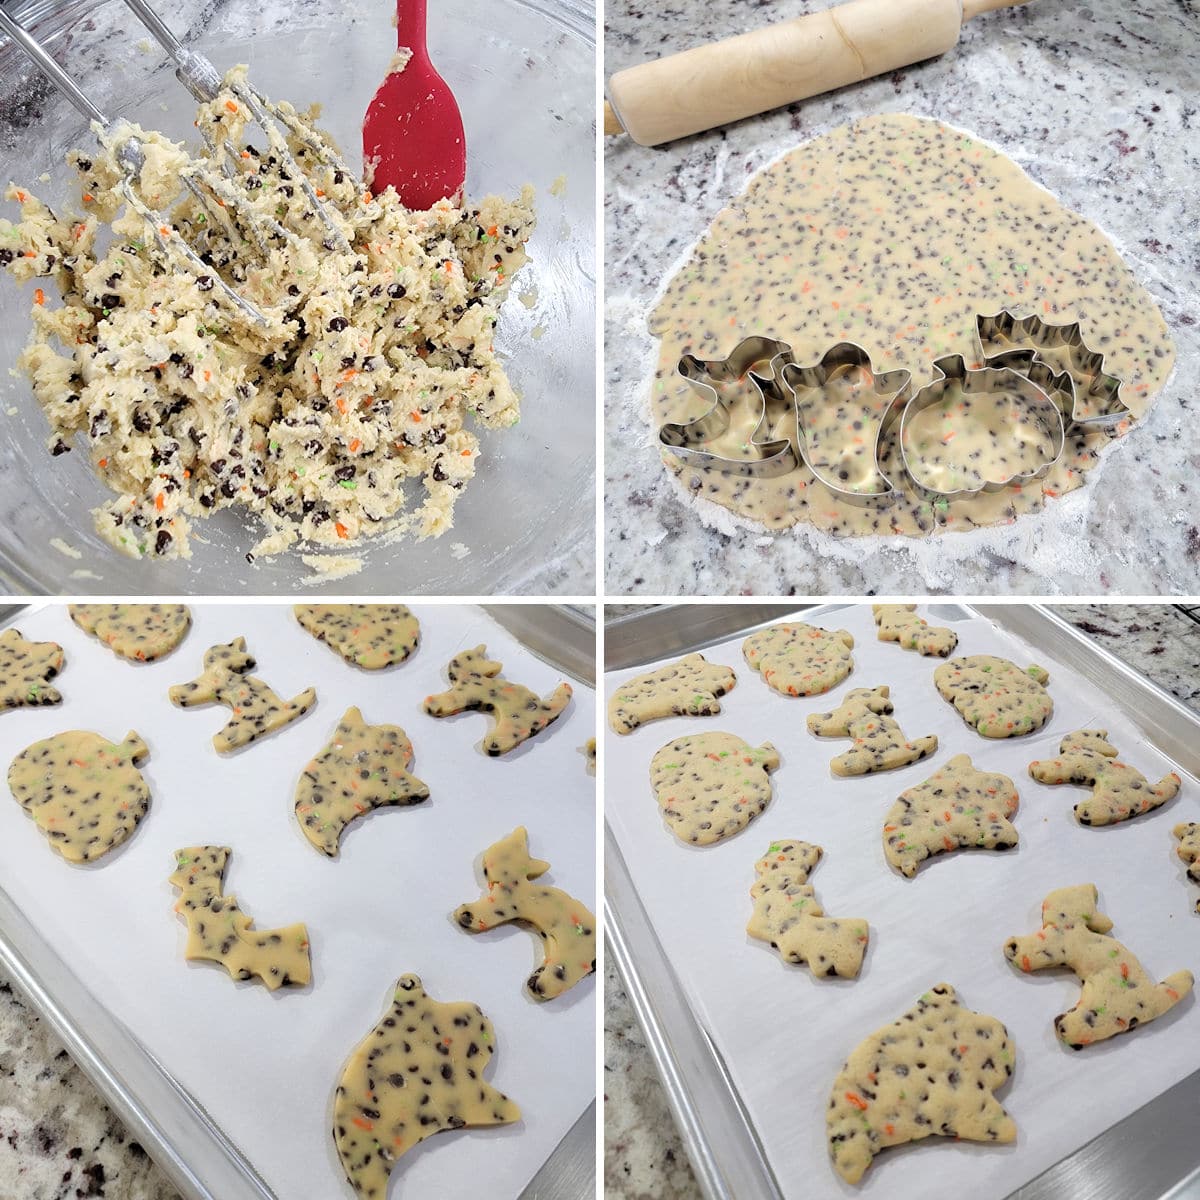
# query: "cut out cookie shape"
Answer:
x=934 y=1072
x=1188 y=833
x=418 y=1072
x=787 y=915
x=84 y=792
x=899 y=623
x=711 y=785
x=1117 y=994
x=218 y=930
x=994 y=696
x=956 y=808
x=865 y=716
x=566 y=926
x=798 y=659
x=25 y=670
x=371 y=636
x=1118 y=791
x=687 y=688
x=478 y=686
x=257 y=710
x=138 y=632
x=364 y=767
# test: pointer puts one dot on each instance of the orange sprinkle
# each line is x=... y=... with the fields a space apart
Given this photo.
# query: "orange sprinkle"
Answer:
x=1025 y=963
x=341 y=405
x=857 y=1101
x=359 y=1121
x=158 y=502
x=207 y=376
x=104 y=462
x=466 y=454
x=229 y=104
x=39 y=297
x=355 y=445
x=342 y=531
x=889 y=1130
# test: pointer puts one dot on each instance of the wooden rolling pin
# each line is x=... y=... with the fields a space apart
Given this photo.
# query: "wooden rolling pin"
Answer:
x=725 y=81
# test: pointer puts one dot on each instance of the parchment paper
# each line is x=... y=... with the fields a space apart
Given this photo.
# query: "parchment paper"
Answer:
x=784 y=1034
x=265 y=1065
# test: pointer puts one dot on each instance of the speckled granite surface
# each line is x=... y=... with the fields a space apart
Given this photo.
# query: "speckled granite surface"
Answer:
x=1091 y=100
x=643 y=1156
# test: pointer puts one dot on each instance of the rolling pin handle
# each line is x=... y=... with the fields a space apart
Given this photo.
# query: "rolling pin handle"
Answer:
x=973 y=8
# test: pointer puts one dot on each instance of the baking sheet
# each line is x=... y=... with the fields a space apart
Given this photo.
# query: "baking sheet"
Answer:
x=784 y=1034
x=264 y=1065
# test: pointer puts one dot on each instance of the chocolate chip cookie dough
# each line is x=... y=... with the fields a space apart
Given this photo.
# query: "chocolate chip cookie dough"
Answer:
x=865 y=717
x=800 y=660
x=899 y=623
x=994 y=696
x=26 y=669
x=139 y=632
x=371 y=636
x=686 y=688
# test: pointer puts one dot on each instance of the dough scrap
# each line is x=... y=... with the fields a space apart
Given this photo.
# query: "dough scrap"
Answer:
x=934 y=1072
x=588 y=750
x=218 y=930
x=994 y=696
x=900 y=623
x=83 y=792
x=257 y=710
x=418 y=1072
x=787 y=915
x=1117 y=995
x=686 y=688
x=478 y=686
x=139 y=632
x=865 y=716
x=364 y=767
x=564 y=924
x=1118 y=791
x=371 y=636
x=800 y=660
x=956 y=808
x=710 y=786
x=25 y=670
x=1188 y=833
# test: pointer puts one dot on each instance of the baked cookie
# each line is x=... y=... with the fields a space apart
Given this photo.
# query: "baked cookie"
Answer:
x=934 y=1072
x=1119 y=792
x=380 y=1112
x=363 y=767
x=865 y=716
x=711 y=785
x=83 y=792
x=138 y=632
x=687 y=688
x=995 y=697
x=257 y=710
x=787 y=915
x=371 y=636
x=900 y=623
x=566 y=926
x=25 y=670
x=1117 y=994
x=218 y=930
x=478 y=686
x=1188 y=833
x=956 y=808
x=800 y=660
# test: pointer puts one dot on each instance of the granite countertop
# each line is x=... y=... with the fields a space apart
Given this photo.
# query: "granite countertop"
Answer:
x=644 y=1158
x=1090 y=99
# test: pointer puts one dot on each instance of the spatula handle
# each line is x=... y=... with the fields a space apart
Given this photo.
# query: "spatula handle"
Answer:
x=410 y=25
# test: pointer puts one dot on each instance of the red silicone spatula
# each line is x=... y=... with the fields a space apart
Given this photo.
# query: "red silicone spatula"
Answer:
x=413 y=132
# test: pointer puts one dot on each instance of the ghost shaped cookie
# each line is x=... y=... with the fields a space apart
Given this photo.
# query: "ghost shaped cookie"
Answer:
x=899 y=623
x=994 y=696
x=371 y=636
x=138 y=632
x=800 y=660
x=688 y=687
x=26 y=669
x=865 y=717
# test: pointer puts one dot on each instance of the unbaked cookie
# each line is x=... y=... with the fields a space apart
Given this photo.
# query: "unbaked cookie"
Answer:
x=139 y=632
x=994 y=696
x=1188 y=833
x=865 y=716
x=371 y=636
x=686 y=688
x=787 y=915
x=800 y=660
x=25 y=670
x=900 y=623
x=711 y=785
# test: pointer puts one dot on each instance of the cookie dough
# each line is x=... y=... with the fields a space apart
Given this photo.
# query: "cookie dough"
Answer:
x=139 y=632
x=218 y=930
x=478 y=686
x=566 y=926
x=418 y=1072
x=711 y=785
x=1117 y=995
x=995 y=697
x=800 y=660
x=787 y=915
x=956 y=808
x=934 y=1072
x=893 y=232
x=257 y=710
x=686 y=688
x=364 y=767
x=865 y=716
x=83 y=792
x=900 y=623
x=588 y=749
x=360 y=382
x=25 y=670
x=371 y=636
x=1119 y=792
x=1188 y=833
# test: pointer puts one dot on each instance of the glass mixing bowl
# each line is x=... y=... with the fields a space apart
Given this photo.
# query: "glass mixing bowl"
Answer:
x=523 y=72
